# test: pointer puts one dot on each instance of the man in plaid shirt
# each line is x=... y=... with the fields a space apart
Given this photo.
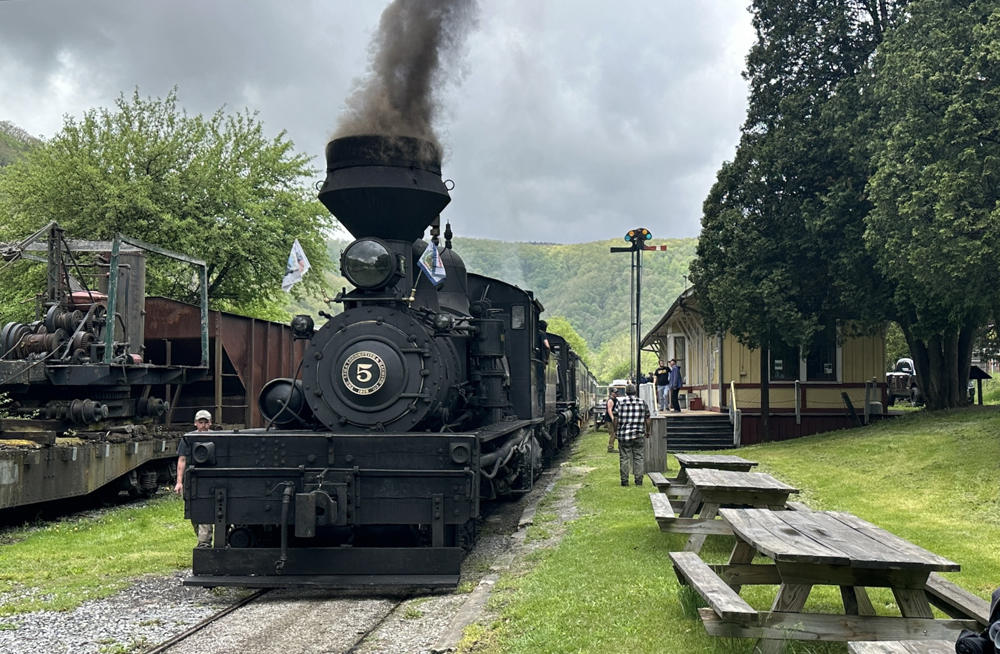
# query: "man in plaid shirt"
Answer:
x=632 y=425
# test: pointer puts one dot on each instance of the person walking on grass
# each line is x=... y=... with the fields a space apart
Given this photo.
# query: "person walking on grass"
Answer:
x=632 y=425
x=202 y=423
x=609 y=409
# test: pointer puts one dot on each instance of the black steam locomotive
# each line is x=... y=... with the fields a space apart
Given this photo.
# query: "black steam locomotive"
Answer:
x=414 y=405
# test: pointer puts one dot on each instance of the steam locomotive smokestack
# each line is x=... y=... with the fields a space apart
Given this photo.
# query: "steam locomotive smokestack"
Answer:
x=384 y=186
x=384 y=161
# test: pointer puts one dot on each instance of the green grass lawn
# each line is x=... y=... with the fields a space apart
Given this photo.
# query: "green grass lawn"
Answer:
x=609 y=587
x=58 y=565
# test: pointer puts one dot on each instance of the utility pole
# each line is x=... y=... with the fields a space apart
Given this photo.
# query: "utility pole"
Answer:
x=636 y=238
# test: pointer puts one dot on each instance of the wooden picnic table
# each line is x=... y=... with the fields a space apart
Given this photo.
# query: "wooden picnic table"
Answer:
x=710 y=489
x=681 y=485
x=814 y=548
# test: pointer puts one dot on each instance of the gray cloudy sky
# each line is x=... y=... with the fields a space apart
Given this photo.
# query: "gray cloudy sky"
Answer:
x=575 y=120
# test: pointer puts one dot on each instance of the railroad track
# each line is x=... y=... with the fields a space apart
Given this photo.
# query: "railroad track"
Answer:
x=184 y=635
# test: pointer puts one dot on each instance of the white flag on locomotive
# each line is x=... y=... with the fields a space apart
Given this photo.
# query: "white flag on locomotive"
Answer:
x=430 y=262
x=298 y=265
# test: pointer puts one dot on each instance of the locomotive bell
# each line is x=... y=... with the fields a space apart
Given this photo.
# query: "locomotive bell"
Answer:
x=384 y=187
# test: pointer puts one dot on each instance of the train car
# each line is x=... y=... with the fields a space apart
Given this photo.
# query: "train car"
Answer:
x=74 y=424
x=419 y=402
x=78 y=415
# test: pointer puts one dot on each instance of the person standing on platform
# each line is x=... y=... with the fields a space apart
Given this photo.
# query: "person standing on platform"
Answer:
x=632 y=425
x=662 y=377
x=202 y=423
x=609 y=409
x=675 y=380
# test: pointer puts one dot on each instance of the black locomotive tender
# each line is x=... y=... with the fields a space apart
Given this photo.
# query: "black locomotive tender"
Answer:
x=414 y=405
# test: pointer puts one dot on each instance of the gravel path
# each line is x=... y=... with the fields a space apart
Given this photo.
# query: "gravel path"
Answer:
x=298 y=621
x=149 y=612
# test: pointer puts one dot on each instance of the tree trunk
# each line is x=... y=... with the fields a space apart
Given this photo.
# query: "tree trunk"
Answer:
x=942 y=364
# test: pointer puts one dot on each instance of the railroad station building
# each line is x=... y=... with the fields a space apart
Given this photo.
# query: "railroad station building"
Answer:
x=807 y=389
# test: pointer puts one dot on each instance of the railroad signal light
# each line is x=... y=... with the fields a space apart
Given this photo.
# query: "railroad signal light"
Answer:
x=636 y=237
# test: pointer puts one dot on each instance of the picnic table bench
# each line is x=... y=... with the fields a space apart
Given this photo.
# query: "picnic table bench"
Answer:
x=710 y=490
x=812 y=548
x=680 y=486
x=903 y=647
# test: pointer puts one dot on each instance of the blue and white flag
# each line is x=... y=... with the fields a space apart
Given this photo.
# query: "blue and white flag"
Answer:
x=298 y=265
x=430 y=262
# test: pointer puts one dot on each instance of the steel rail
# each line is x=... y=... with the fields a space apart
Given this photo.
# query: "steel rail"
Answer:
x=167 y=644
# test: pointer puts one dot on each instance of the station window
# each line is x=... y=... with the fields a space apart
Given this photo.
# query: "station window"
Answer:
x=821 y=363
x=784 y=363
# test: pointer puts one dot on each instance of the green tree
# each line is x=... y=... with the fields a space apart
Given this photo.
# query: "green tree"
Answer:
x=895 y=345
x=614 y=359
x=213 y=187
x=780 y=248
x=935 y=225
x=562 y=327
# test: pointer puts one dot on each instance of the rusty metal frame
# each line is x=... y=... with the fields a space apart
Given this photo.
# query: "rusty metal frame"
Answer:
x=109 y=334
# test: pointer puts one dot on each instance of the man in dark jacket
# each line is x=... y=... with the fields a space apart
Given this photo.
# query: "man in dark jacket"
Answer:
x=675 y=381
x=609 y=409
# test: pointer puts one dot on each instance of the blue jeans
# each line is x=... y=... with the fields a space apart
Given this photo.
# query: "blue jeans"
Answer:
x=662 y=394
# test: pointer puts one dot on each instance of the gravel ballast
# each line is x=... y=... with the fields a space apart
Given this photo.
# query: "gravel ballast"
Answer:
x=292 y=621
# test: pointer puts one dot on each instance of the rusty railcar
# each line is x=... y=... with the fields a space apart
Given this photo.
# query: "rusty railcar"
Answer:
x=97 y=405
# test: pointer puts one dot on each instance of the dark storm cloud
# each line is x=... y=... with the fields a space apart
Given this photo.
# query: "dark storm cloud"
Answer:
x=576 y=119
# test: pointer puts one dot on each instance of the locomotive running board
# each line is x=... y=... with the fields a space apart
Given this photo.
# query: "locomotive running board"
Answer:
x=496 y=430
x=330 y=567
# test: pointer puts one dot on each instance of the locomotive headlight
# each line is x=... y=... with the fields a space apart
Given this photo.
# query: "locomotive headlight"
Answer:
x=443 y=322
x=368 y=263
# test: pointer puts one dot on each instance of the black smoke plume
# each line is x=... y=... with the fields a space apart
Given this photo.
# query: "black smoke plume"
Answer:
x=412 y=55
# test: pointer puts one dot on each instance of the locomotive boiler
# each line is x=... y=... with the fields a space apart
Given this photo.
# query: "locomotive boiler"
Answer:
x=411 y=407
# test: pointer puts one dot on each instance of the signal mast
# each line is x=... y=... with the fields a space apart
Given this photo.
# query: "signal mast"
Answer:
x=637 y=239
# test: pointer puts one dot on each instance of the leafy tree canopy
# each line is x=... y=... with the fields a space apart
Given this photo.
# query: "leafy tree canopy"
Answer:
x=780 y=245
x=14 y=142
x=212 y=187
x=562 y=327
x=935 y=224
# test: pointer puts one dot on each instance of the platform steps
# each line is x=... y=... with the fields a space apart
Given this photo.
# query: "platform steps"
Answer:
x=692 y=432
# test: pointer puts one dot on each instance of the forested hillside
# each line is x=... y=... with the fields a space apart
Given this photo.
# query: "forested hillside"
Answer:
x=14 y=142
x=583 y=282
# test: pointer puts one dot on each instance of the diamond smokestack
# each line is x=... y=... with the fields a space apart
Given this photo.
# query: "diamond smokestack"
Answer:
x=388 y=187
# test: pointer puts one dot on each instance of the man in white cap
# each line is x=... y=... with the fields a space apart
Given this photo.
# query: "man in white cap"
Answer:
x=202 y=422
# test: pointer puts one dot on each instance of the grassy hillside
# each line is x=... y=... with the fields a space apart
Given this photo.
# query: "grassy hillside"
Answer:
x=14 y=142
x=608 y=586
x=584 y=282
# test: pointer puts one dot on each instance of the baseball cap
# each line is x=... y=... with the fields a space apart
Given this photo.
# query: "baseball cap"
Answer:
x=203 y=415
